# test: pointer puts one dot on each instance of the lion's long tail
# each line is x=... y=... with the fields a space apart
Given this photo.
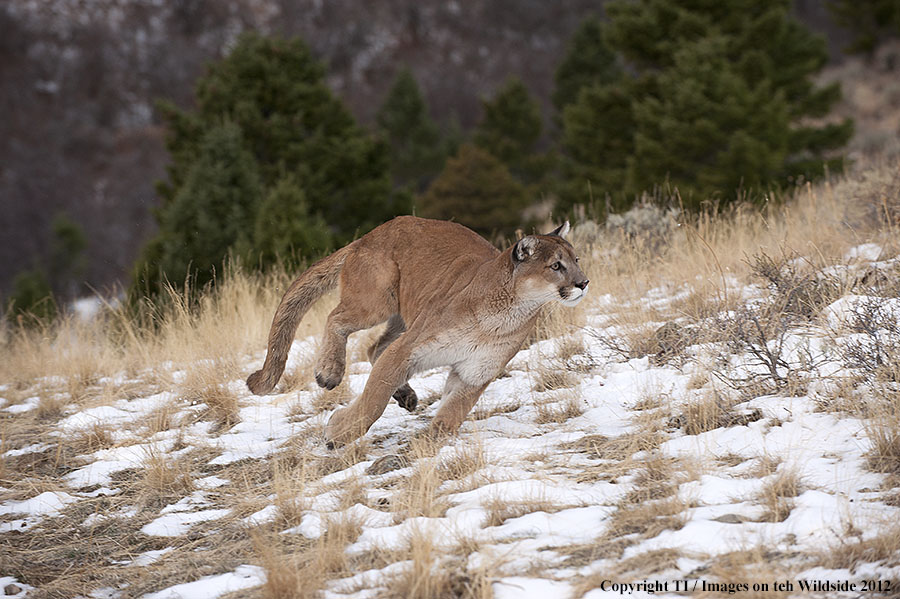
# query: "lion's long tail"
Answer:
x=317 y=280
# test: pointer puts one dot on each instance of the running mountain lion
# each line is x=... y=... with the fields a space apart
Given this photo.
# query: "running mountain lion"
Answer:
x=449 y=297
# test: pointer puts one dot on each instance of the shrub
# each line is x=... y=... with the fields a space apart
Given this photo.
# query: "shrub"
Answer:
x=476 y=190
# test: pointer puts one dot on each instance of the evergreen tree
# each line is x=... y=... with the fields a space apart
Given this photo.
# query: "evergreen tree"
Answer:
x=871 y=21
x=588 y=61
x=476 y=190
x=649 y=33
x=67 y=261
x=416 y=148
x=31 y=300
x=510 y=131
x=274 y=91
x=597 y=139
x=284 y=229
x=708 y=106
x=213 y=214
x=707 y=132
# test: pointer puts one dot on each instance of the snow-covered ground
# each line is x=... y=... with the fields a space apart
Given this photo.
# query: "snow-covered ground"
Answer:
x=607 y=478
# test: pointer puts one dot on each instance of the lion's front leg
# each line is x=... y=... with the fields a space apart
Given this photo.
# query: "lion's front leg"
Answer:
x=458 y=400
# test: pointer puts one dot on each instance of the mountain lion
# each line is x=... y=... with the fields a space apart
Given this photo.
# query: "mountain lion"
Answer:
x=449 y=297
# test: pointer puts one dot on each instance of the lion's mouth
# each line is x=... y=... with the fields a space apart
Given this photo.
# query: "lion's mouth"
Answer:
x=569 y=296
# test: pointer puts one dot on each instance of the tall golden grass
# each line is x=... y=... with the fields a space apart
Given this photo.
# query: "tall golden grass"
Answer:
x=231 y=322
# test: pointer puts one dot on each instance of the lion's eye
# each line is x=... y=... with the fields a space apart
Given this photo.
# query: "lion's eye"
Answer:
x=556 y=265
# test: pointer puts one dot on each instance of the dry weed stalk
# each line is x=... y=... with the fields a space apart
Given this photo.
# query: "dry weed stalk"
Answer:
x=853 y=550
x=303 y=572
x=432 y=575
x=557 y=412
x=164 y=479
x=418 y=494
x=778 y=493
x=500 y=509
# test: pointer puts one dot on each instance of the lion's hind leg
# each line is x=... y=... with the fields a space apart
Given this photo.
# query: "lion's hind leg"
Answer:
x=388 y=374
x=405 y=395
x=366 y=300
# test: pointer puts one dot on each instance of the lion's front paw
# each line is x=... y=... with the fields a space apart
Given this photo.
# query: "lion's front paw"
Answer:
x=341 y=429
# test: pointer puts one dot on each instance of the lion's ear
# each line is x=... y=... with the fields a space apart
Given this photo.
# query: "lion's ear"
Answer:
x=524 y=248
x=561 y=231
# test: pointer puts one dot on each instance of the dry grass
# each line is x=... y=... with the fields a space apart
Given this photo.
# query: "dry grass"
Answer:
x=616 y=455
x=98 y=436
x=418 y=494
x=499 y=509
x=300 y=570
x=326 y=400
x=551 y=379
x=650 y=508
x=164 y=479
x=559 y=411
x=736 y=573
x=300 y=376
x=50 y=407
x=629 y=524
x=207 y=383
x=647 y=519
x=703 y=415
x=555 y=321
x=67 y=364
x=570 y=346
x=778 y=493
x=481 y=413
x=290 y=481
x=224 y=325
x=638 y=567
x=433 y=575
x=710 y=411
x=883 y=548
x=884 y=456
x=464 y=462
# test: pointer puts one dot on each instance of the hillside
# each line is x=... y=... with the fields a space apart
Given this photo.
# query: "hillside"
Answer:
x=80 y=79
x=719 y=413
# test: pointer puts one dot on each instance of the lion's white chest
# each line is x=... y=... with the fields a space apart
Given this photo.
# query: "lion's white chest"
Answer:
x=475 y=361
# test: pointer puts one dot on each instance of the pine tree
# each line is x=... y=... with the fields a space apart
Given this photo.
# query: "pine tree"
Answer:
x=705 y=105
x=510 y=131
x=588 y=61
x=416 y=147
x=67 y=262
x=31 y=300
x=285 y=231
x=870 y=21
x=597 y=139
x=476 y=190
x=274 y=91
x=594 y=112
x=707 y=132
x=213 y=214
x=650 y=33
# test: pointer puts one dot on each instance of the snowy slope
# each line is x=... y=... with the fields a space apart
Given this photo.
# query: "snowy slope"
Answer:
x=606 y=477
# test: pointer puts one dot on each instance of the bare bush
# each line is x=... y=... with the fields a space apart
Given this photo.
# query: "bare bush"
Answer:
x=875 y=347
x=796 y=293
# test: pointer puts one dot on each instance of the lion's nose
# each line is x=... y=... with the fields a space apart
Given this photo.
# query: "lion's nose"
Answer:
x=582 y=284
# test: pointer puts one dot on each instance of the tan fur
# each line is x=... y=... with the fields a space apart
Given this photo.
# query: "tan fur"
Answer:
x=450 y=299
